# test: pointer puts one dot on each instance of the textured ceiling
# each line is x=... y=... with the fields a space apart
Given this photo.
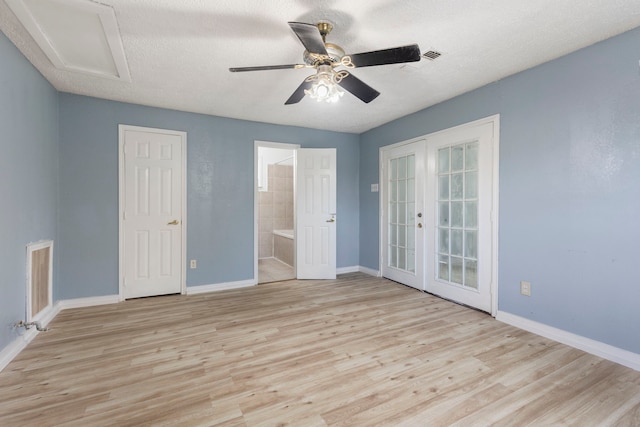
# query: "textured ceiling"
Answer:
x=179 y=52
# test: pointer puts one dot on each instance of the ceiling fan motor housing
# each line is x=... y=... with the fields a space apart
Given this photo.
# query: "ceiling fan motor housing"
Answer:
x=333 y=57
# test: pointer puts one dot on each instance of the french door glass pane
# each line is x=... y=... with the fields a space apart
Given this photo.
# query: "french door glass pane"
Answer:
x=457 y=222
x=443 y=240
x=471 y=273
x=471 y=214
x=457 y=158
x=443 y=160
x=411 y=190
x=471 y=156
x=402 y=236
x=443 y=214
x=471 y=244
x=402 y=168
x=443 y=187
x=402 y=191
x=393 y=229
x=456 y=270
x=456 y=187
x=456 y=242
x=411 y=213
x=443 y=267
x=402 y=185
x=471 y=185
x=456 y=214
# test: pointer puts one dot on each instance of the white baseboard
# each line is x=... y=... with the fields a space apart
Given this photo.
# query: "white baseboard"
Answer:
x=597 y=348
x=87 y=302
x=358 y=269
x=369 y=271
x=14 y=348
x=193 y=290
x=345 y=270
x=21 y=341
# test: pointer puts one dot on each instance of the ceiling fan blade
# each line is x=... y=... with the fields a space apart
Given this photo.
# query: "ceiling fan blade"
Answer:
x=310 y=37
x=267 y=67
x=396 y=55
x=299 y=93
x=359 y=88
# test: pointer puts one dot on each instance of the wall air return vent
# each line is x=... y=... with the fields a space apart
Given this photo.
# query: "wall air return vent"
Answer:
x=76 y=35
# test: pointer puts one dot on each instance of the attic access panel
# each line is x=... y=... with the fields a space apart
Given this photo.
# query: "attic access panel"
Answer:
x=76 y=35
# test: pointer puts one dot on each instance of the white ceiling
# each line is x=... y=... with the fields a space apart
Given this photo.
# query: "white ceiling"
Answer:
x=179 y=52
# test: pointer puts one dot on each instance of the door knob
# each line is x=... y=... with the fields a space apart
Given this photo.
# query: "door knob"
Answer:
x=174 y=222
x=331 y=220
x=419 y=225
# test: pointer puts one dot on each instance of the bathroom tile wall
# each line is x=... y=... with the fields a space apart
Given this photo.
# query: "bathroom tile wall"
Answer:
x=275 y=207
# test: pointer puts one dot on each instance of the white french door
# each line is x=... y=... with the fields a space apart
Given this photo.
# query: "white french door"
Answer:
x=460 y=227
x=152 y=211
x=402 y=213
x=439 y=210
x=316 y=213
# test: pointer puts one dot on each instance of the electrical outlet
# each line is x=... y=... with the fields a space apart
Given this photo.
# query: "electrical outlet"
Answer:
x=525 y=288
x=194 y=263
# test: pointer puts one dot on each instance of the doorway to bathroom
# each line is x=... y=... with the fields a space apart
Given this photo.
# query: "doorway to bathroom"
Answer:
x=275 y=211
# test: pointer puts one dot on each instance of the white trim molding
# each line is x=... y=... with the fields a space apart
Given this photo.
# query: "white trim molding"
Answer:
x=369 y=271
x=597 y=348
x=358 y=269
x=87 y=302
x=345 y=270
x=15 y=347
x=202 y=289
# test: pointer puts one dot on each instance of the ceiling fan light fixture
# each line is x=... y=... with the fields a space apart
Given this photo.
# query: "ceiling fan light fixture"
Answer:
x=325 y=85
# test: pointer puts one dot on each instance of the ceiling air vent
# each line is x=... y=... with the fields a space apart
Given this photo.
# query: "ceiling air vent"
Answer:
x=431 y=54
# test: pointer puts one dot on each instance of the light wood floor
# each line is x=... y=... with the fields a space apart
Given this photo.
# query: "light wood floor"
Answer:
x=356 y=351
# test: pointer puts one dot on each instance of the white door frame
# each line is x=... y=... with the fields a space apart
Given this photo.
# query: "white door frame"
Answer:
x=121 y=204
x=256 y=195
x=495 y=121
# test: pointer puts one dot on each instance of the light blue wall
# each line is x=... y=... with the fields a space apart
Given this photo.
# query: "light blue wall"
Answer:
x=220 y=206
x=28 y=176
x=569 y=187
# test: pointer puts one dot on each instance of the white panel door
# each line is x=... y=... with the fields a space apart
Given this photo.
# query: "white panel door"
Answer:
x=152 y=215
x=403 y=176
x=316 y=213
x=460 y=233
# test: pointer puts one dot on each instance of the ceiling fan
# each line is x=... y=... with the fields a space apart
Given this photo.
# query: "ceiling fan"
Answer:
x=326 y=57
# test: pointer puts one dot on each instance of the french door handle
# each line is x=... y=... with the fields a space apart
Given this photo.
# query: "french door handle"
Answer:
x=174 y=222
x=331 y=220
